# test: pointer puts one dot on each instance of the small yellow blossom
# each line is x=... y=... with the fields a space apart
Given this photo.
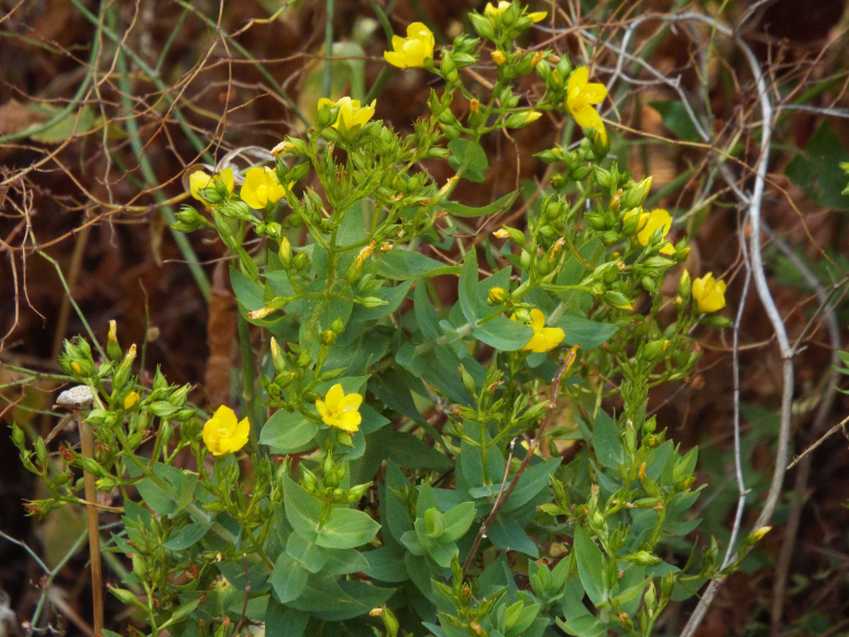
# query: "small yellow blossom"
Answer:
x=261 y=187
x=412 y=51
x=199 y=180
x=498 y=57
x=493 y=11
x=351 y=114
x=581 y=96
x=544 y=338
x=651 y=222
x=223 y=433
x=709 y=293
x=340 y=410
x=131 y=399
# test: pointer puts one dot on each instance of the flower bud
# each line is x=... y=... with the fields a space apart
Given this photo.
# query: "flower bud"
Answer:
x=370 y=302
x=758 y=534
x=483 y=25
x=497 y=295
x=520 y=120
x=653 y=350
x=631 y=221
x=434 y=523
x=636 y=194
x=113 y=349
x=122 y=374
x=617 y=300
x=468 y=381
x=684 y=286
x=644 y=558
x=390 y=622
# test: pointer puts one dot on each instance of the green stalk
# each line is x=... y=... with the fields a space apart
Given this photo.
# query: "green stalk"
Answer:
x=149 y=175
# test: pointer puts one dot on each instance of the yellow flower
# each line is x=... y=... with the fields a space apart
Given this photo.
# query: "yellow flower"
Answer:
x=340 y=410
x=651 y=222
x=223 y=434
x=351 y=114
x=581 y=96
x=412 y=51
x=544 y=338
x=492 y=11
x=131 y=399
x=199 y=180
x=261 y=187
x=709 y=293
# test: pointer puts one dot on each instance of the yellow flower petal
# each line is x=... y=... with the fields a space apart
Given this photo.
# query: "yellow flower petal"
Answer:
x=537 y=16
x=588 y=118
x=594 y=93
x=709 y=293
x=544 y=338
x=226 y=177
x=222 y=434
x=651 y=222
x=261 y=187
x=130 y=400
x=339 y=409
x=413 y=50
x=199 y=180
x=537 y=319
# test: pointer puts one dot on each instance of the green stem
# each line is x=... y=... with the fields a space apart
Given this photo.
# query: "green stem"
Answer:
x=64 y=112
x=167 y=211
x=327 y=80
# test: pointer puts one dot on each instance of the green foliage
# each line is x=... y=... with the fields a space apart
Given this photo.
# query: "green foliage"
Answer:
x=407 y=464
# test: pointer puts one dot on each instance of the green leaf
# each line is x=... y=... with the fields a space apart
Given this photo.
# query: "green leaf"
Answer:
x=503 y=334
x=333 y=600
x=584 y=332
x=408 y=451
x=507 y=534
x=249 y=294
x=288 y=579
x=170 y=493
x=676 y=119
x=591 y=566
x=302 y=509
x=346 y=529
x=393 y=296
x=386 y=565
x=817 y=168
x=425 y=313
x=470 y=157
x=503 y=203
x=286 y=431
x=405 y=264
x=182 y=612
x=307 y=553
x=606 y=443
x=280 y=620
x=457 y=521
x=73 y=124
x=531 y=482
x=468 y=286
x=186 y=536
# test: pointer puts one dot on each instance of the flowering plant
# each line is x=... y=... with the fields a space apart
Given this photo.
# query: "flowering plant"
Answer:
x=444 y=429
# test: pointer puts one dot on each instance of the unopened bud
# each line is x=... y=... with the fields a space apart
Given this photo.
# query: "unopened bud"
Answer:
x=498 y=57
x=497 y=295
x=113 y=349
